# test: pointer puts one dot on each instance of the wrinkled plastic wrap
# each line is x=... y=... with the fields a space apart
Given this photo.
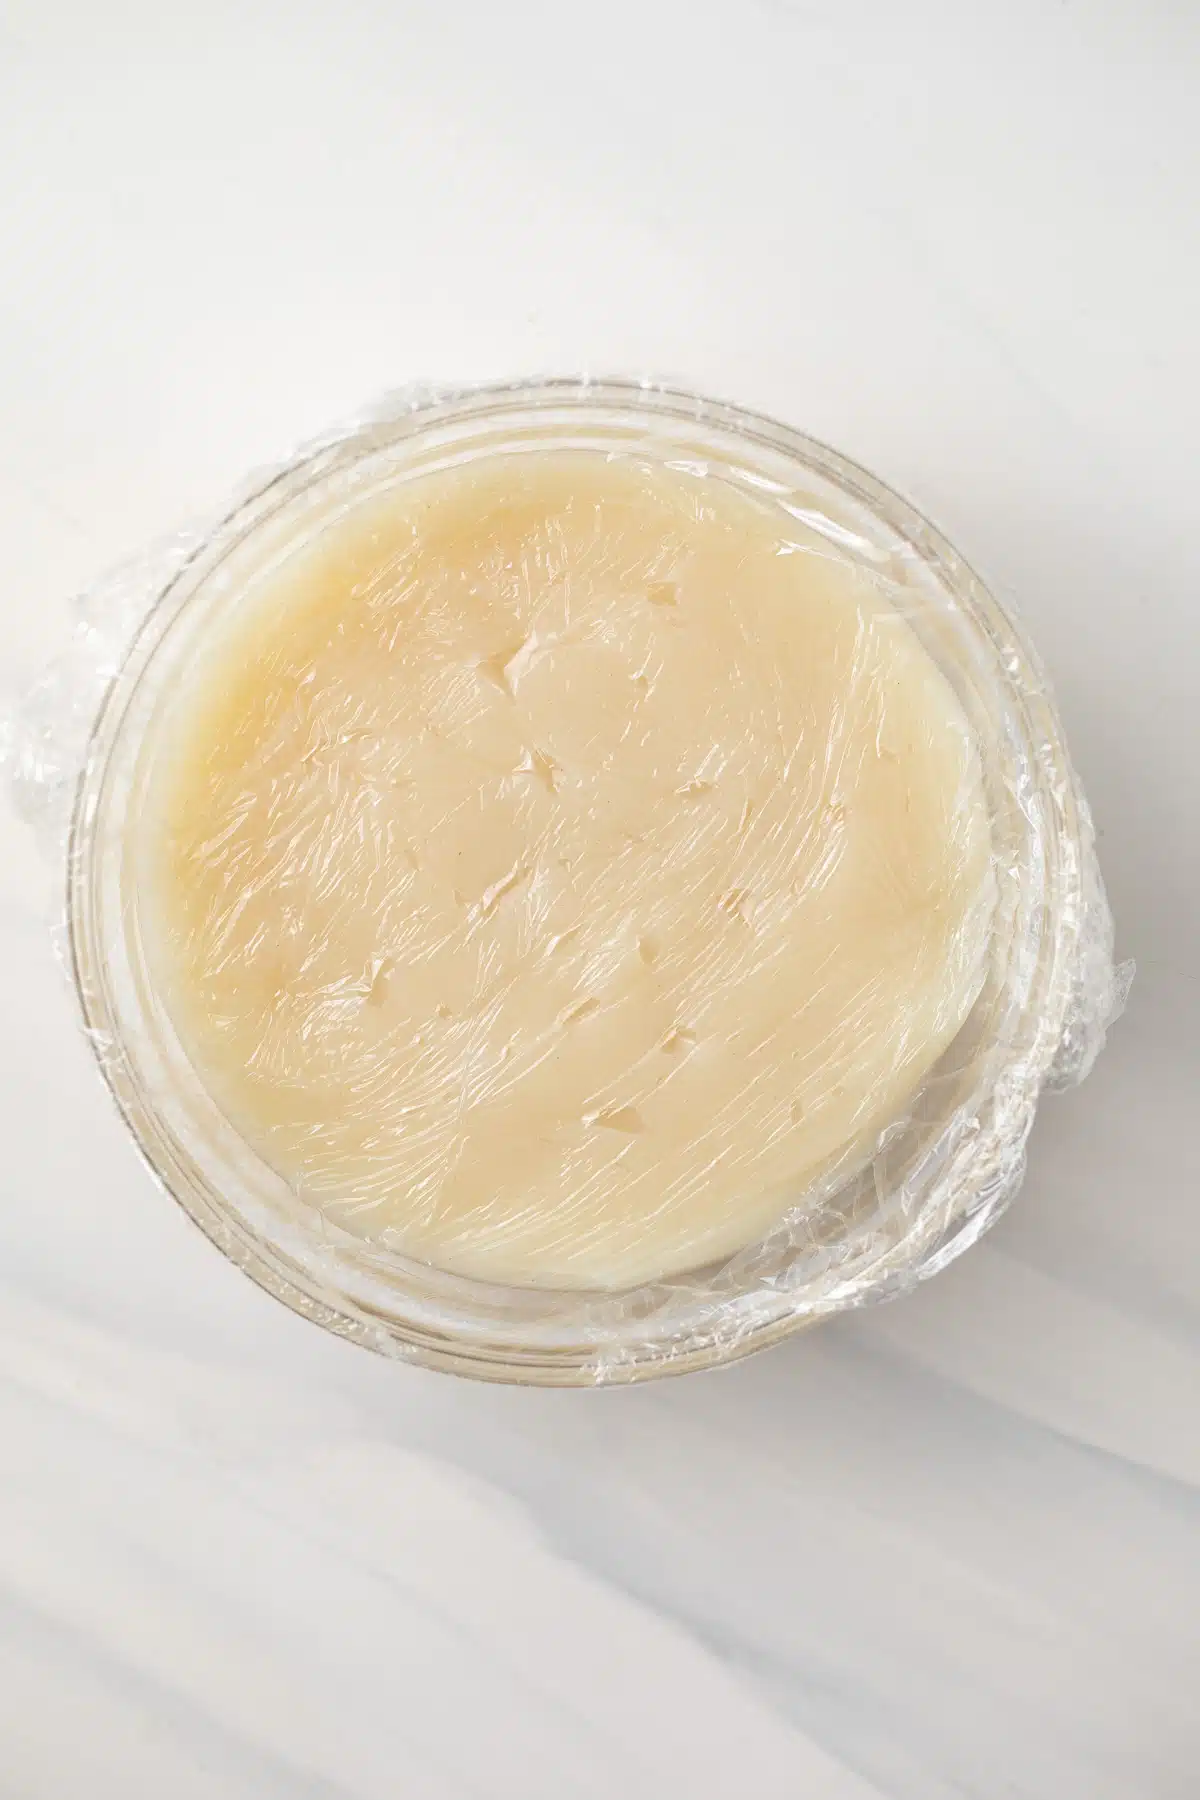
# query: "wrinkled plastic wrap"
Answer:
x=570 y=881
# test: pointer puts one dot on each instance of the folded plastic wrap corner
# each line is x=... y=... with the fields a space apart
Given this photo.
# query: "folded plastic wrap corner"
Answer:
x=570 y=881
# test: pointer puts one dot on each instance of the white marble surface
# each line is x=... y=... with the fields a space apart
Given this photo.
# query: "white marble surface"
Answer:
x=948 y=1549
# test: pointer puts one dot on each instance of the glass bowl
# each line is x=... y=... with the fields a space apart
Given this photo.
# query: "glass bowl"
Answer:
x=938 y=1176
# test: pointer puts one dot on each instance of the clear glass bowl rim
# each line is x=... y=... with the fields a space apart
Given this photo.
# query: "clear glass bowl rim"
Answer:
x=633 y=1336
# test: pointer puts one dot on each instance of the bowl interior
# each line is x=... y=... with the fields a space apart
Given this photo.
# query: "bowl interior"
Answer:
x=936 y=1176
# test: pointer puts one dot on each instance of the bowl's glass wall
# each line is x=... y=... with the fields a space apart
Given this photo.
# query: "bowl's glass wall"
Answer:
x=940 y=1175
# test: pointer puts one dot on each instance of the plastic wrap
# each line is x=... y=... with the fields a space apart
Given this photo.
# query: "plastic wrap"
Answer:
x=570 y=881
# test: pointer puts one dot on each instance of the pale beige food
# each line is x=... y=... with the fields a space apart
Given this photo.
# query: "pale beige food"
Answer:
x=552 y=870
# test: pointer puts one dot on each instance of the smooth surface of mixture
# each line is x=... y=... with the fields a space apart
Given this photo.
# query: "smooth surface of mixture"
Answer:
x=561 y=862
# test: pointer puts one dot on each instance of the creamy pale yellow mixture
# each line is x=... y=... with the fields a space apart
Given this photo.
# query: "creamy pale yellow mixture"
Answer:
x=559 y=864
